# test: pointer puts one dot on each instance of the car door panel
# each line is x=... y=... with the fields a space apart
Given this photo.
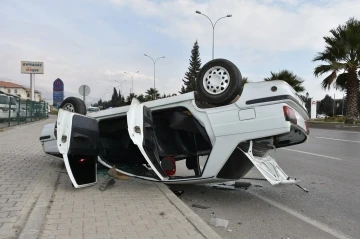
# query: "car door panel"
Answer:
x=78 y=140
x=141 y=131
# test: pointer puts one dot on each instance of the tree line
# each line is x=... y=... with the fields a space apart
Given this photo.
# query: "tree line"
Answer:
x=117 y=99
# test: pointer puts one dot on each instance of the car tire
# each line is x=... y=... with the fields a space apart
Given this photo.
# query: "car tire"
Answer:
x=219 y=82
x=74 y=104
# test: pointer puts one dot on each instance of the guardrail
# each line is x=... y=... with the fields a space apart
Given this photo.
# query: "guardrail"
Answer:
x=15 y=111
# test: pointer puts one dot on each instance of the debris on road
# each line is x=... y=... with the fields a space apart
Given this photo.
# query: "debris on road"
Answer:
x=178 y=192
x=218 y=222
x=224 y=186
x=242 y=184
x=229 y=230
x=200 y=206
x=112 y=172
x=302 y=188
x=106 y=182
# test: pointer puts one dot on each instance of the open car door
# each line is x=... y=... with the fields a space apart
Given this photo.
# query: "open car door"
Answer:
x=141 y=131
x=77 y=141
x=268 y=167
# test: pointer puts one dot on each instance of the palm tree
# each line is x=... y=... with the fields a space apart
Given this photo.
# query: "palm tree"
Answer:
x=130 y=97
x=244 y=81
x=141 y=98
x=152 y=94
x=342 y=53
x=293 y=80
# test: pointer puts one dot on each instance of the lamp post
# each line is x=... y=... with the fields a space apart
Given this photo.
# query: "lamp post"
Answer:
x=120 y=85
x=213 y=27
x=154 y=61
x=132 y=79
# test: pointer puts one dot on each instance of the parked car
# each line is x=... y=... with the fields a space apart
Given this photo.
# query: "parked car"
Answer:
x=216 y=133
x=321 y=116
x=92 y=109
x=7 y=103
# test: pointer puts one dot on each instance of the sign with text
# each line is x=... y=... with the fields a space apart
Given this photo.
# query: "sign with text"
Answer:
x=32 y=67
x=58 y=92
x=58 y=85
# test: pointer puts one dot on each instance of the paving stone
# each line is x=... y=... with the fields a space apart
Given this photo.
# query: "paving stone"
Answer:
x=128 y=209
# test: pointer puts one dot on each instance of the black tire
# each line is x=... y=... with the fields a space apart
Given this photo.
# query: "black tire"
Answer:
x=231 y=89
x=74 y=104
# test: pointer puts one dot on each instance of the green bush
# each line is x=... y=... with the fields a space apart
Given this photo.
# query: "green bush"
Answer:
x=334 y=119
x=53 y=112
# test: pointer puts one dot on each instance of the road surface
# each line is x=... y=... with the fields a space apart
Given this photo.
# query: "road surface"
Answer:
x=328 y=165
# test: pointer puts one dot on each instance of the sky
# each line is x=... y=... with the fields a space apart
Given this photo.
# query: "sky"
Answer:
x=93 y=42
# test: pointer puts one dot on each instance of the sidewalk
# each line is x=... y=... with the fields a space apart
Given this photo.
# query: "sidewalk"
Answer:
x=25 y=173
x=37 y=200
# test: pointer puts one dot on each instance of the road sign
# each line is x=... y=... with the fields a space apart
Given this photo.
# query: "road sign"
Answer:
x=84 y=90
x=32 y=67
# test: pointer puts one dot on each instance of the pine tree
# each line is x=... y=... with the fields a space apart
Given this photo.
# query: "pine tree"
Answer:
x=114 y=98
x=193 y=70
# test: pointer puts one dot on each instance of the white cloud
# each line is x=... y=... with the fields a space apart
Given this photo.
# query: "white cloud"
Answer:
x=254 y=24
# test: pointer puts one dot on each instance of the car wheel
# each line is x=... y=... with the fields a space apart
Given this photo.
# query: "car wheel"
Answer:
x=74 y=104
x=219 y=82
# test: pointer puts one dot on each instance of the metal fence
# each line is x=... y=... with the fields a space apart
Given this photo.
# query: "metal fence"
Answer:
x=15 y=111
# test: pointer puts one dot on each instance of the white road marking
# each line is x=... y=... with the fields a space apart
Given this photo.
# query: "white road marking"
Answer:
x=318 y=155
x=345 y=140
x=333 y=130
x=302 y=217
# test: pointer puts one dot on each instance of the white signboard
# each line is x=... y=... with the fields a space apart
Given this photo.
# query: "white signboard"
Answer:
x=32 y=67
x=313 y=109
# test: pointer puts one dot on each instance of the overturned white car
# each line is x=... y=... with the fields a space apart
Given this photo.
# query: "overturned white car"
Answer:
x=218 y=135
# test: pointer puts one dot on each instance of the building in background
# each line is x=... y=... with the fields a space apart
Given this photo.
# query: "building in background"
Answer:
x=18 y=90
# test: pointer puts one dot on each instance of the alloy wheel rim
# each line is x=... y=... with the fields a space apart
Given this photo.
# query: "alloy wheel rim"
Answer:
x=216 y=80
x=69 y=107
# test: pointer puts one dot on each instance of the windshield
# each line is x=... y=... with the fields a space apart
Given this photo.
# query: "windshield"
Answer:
x=12 y=100
x=93 y=109
x=4 y=99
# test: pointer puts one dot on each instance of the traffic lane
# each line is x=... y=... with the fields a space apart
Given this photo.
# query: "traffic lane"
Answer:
x=335 y=134
x=333 y=197
x=340 y=150
x=333 y=187
x=249 y=216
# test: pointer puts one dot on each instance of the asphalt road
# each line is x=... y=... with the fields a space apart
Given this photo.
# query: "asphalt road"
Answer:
x=328 y=165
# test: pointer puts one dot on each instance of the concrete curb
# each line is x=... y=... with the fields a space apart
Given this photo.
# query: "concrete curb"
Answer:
x=192 y=217
x=36 y=218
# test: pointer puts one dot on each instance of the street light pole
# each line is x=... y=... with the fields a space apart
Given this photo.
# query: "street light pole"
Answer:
x=213 y=27
x=120 y=84
x=154 y=61
x=132 y=79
